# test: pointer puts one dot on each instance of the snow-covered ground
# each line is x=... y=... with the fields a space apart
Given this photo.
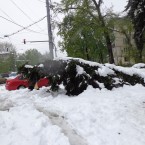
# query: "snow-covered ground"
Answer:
x=95 y=117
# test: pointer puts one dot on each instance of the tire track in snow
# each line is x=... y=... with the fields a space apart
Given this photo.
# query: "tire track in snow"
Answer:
x=72 y=135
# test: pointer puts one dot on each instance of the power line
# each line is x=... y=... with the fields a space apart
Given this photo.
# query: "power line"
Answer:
x=6 y=14
x=12 y=21
x=23 y=12
x=41 y=1
x=26 y=27
x=21 y=26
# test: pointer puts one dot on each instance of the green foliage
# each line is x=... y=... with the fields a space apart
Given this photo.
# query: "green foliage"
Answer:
x=10 y=60
x=133 y=56
x=33 y=56
x=85 y=41
x=8 y=65
x=4 y=66
x=7 y=57
x=84 y=30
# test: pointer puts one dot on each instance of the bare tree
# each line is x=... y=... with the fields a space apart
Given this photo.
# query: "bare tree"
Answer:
x=7 y=47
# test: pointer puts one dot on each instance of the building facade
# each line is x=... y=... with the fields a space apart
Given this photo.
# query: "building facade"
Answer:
x=121 y=49
x=4 y=55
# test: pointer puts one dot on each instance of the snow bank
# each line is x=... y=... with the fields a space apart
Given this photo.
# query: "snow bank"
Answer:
x=24 y=125
x=139 y=65
x=101 y=117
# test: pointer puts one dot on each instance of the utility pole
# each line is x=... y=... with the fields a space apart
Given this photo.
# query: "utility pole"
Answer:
x=49 y=30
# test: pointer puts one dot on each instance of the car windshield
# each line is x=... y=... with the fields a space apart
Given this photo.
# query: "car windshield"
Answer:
x=13 y=74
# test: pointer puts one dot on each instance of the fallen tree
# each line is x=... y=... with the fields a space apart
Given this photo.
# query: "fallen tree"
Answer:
x=77 y=74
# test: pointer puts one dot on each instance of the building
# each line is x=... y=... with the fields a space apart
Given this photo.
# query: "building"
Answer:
x=121 y=48
x=4 y=55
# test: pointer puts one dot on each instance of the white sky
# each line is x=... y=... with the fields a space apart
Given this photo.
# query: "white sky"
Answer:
x=35 y=9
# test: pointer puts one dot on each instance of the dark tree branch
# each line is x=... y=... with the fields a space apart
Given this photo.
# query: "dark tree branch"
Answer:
x=106 y=33
x=100 y=2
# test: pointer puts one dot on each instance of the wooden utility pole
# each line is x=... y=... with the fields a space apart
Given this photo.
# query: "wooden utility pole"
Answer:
x=51 y=46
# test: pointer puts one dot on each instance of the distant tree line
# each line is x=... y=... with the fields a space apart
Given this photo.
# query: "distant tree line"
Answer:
x=10 y=60
x=7 y=57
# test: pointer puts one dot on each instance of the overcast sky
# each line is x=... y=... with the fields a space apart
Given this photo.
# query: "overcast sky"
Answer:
x=33 y=10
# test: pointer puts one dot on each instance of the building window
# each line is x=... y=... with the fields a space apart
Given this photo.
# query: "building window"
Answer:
x=126 y=49
x=124 y=41
x=125 y=59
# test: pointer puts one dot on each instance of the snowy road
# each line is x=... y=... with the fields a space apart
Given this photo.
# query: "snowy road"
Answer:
x=60 y=121
x=93 y=118
x=55 y=119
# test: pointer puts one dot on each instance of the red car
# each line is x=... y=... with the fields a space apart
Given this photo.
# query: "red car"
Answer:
x=19 y=82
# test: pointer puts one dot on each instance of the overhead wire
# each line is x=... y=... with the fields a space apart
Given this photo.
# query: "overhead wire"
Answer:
x=18 y=24
x=26 y=27
x=21 y=25
x=6 y=14
x=23 y=12
x=41 y=1
x=32 y=13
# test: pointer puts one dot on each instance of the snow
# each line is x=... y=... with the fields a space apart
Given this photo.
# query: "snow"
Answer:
x=40 y=65
x=91 y=63
x=128 y=70
x=105 y=71
x=28 y=66
x=108 y=69
x=139 y=65
x=99 y=117
x=30 y=128
x=80 y=70
x=95 y=117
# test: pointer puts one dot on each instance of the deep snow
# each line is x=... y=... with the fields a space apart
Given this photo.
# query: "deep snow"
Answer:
x=99 y=117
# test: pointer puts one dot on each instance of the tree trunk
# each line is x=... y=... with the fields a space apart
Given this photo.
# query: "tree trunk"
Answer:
x=140 y=55
x=109 y=47
x=106 y=33
x=101 y=60
x=139 y=44
x=87 y=53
